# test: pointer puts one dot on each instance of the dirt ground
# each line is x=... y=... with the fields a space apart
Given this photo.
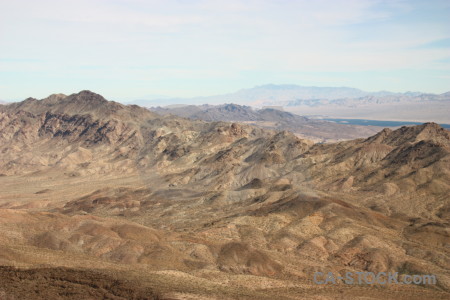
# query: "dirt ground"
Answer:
x=64 y=283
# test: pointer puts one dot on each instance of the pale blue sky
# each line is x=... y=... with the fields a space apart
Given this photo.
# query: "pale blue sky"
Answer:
x=185 y=48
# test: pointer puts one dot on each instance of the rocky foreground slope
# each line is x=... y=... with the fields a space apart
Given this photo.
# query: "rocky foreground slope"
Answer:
x=219 y=210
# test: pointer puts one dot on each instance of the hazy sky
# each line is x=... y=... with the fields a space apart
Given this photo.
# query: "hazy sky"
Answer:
x=138 y=48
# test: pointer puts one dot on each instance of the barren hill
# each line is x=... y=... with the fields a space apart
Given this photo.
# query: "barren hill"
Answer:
x=188 y=208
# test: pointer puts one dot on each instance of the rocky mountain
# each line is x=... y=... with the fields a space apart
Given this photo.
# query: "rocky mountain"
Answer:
x=188 y=209
x=270 y=118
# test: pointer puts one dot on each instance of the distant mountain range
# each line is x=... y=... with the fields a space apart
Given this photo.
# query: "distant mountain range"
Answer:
x=336 y=102
x=269 y=118
x=288 y=94
x=323 y=102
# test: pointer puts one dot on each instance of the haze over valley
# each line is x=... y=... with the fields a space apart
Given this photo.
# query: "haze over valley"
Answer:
x=331 y=102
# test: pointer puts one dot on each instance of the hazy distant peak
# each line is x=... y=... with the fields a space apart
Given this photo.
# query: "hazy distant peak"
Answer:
x=278 y=86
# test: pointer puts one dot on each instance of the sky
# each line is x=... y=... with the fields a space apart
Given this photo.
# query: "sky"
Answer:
x=139 y=49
